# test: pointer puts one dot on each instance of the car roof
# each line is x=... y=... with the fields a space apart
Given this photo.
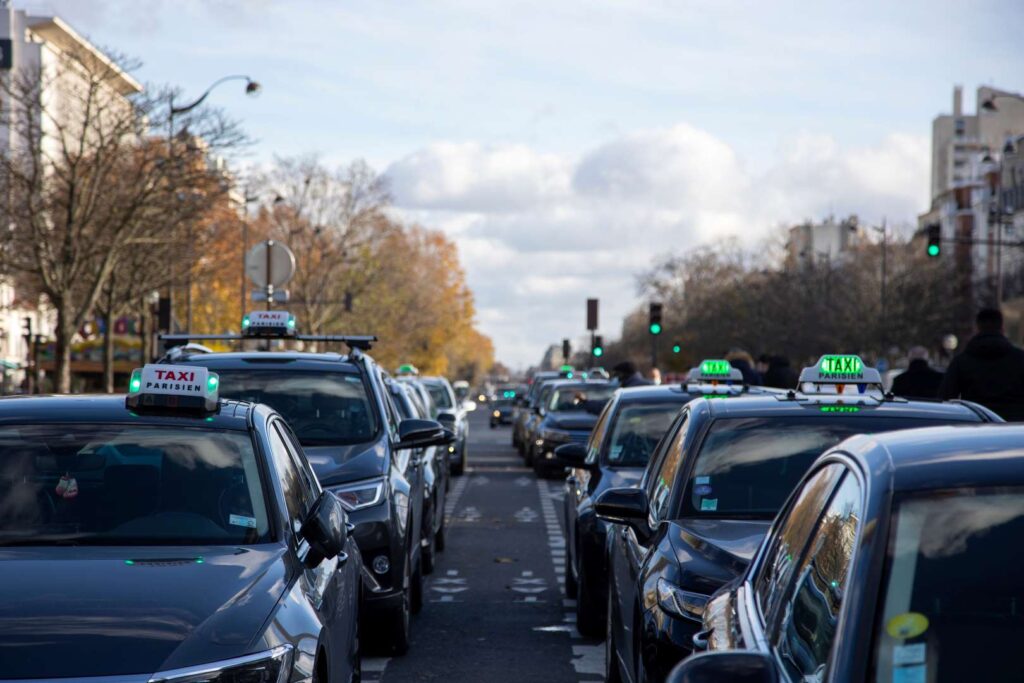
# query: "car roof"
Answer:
x=768 y=405
x=111 y=409
x=558 y=384
x=953 y=456
x=298 y=360
x=649 y=392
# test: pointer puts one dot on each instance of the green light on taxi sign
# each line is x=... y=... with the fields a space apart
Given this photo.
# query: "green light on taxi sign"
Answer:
x=839 y=409
x=135 y=383
x=715 y=367
x=566 y=368
x=841 y=367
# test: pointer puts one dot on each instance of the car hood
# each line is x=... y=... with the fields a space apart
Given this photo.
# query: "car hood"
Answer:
x=572 y=421
x=714 y=551
x=342 y=464
x=78 y=612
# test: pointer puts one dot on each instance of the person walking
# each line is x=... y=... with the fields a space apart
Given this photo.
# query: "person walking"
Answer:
x=780 y=374
x=990 y=371
x=919 y=380
x=628 y=375
x=744 y=362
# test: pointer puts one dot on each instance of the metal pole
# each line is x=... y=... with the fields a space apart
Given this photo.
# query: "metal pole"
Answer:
x=270 y=277
x=188 y=281
x=654 y=351
x=170 y=162
x=885 y=251
x=999 y=263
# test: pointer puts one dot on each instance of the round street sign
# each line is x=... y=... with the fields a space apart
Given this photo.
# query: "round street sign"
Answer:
x=276 y=270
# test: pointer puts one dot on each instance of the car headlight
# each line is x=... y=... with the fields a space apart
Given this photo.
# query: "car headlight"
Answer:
x=271 y=666
x=556 y=435
x=359 y=495
x=496 y=413
x=680 y=603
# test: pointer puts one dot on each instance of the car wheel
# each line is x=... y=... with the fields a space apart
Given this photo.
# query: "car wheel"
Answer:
x=528 y=456
x=612 y=673
x=397 y=623
x=427 y=556
x=570 y=582
x=588 y=615
x=356 y=657
x=416 y=589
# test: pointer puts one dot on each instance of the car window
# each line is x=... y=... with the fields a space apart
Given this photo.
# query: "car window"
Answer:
x=791 y=537
x=952 y=596
x=663 y=446
x=442 y=397
x=134 y=484
x=811 y=609
x=597 y=434
x=663 y=481
x=291 y=479
x=324 y=408
x=636 y=430
x=307 y=480
x=582 y=398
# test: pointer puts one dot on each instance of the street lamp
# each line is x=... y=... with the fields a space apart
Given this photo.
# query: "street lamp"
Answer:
x=252 y=88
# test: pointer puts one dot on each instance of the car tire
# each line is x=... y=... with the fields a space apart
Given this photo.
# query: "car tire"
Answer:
x=416 y=589
x=588 y=615
x=528 y=456
x=612 y=673
x=397 y=623
x=570 y=582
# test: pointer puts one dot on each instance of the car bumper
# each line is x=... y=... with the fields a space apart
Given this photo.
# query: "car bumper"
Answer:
x=377 y=537
x=666 y=640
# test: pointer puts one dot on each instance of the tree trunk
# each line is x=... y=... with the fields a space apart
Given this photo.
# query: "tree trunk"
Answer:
x=62 y=356
x=108 y=353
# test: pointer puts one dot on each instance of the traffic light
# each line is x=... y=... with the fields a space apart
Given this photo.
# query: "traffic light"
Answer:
x=655 y=319
x=566 y=350
x=598 y=348
x=934 y=233
x=676 y=347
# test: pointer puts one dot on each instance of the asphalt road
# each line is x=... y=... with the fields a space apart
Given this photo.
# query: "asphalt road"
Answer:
x=494 y=608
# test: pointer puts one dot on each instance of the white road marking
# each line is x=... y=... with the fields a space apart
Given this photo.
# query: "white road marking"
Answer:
x=526 y=515
x=588 y=659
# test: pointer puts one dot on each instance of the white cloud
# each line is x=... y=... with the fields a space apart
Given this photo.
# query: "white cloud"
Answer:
x=539 y=233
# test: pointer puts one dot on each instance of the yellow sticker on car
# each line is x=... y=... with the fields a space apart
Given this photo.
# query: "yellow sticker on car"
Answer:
x=907 y=625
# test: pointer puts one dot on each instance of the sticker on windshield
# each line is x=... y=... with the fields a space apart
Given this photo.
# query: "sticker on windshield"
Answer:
x=905 y=655
x=616 y=452
x=702 y=490
x=709 y=504
x=909 y=674
x=241 y=520
x=67 y=487
x=702 y=480
x=907 y=625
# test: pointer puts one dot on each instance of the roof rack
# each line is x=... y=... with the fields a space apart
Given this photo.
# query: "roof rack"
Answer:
x=361 y=342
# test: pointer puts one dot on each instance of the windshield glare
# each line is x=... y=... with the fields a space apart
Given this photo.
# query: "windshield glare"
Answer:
x=636 y=431
x=581 y=397
x=129 y=485
x=954 y=571
x=323 y=408
x=748 y=466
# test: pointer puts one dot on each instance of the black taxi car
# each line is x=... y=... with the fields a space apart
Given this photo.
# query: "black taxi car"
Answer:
x=709 y=494
x=342 y=413
x=896 y=559
x=566 y=413
x=169 y=534
x=615 y=455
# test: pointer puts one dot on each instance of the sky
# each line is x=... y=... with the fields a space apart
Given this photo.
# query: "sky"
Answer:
x=567 y=145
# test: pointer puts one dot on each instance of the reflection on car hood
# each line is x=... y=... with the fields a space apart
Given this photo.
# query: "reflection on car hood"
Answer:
x=340 y=464
x=726 y=544
x=572 y=421
x=78 y=612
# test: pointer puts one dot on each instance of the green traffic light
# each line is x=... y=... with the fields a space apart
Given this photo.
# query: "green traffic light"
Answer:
x=933 y=250
x=598 y=351
x=655 y=328
x=677 y=348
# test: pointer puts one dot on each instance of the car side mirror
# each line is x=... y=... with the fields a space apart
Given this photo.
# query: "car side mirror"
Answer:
x=413 y=433
x=573 y=455
x=325 y=529
x=627 y=506
x=736 y=666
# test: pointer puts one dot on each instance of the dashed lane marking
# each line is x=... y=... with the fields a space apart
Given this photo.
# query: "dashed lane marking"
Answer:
x=374 y=668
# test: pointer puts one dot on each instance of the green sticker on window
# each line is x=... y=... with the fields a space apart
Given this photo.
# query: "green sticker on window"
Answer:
x=708 y=504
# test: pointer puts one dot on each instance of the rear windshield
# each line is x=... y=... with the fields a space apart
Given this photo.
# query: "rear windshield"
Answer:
x=636 y=431
x=323 y=408
x=440 y=394
x=129 y=485
x=953 y=590
x=748 y=466
x=588 y=397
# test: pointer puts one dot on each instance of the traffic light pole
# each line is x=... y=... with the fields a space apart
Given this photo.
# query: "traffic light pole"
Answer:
x=654 y=351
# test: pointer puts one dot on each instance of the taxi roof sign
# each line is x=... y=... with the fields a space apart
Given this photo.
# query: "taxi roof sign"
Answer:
x=268 y=323
x=841 y=375
x=173 y=387
x=715 y=378
x=408 y=369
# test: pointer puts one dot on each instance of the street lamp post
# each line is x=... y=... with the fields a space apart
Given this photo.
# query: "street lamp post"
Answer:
x=252 y=88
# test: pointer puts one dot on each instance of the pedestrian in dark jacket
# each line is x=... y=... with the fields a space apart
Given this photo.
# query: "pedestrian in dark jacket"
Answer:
x=629 y=376
x=919 y=380
x=744 y=362
x=779 y=374
x=990 y=371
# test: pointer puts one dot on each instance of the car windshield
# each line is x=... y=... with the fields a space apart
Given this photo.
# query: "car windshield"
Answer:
x=588 y=397
x=636 y=430
x=440 y=394
x=129 y=485
x=953 y=589
x=323 y=408
x=748 y=466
